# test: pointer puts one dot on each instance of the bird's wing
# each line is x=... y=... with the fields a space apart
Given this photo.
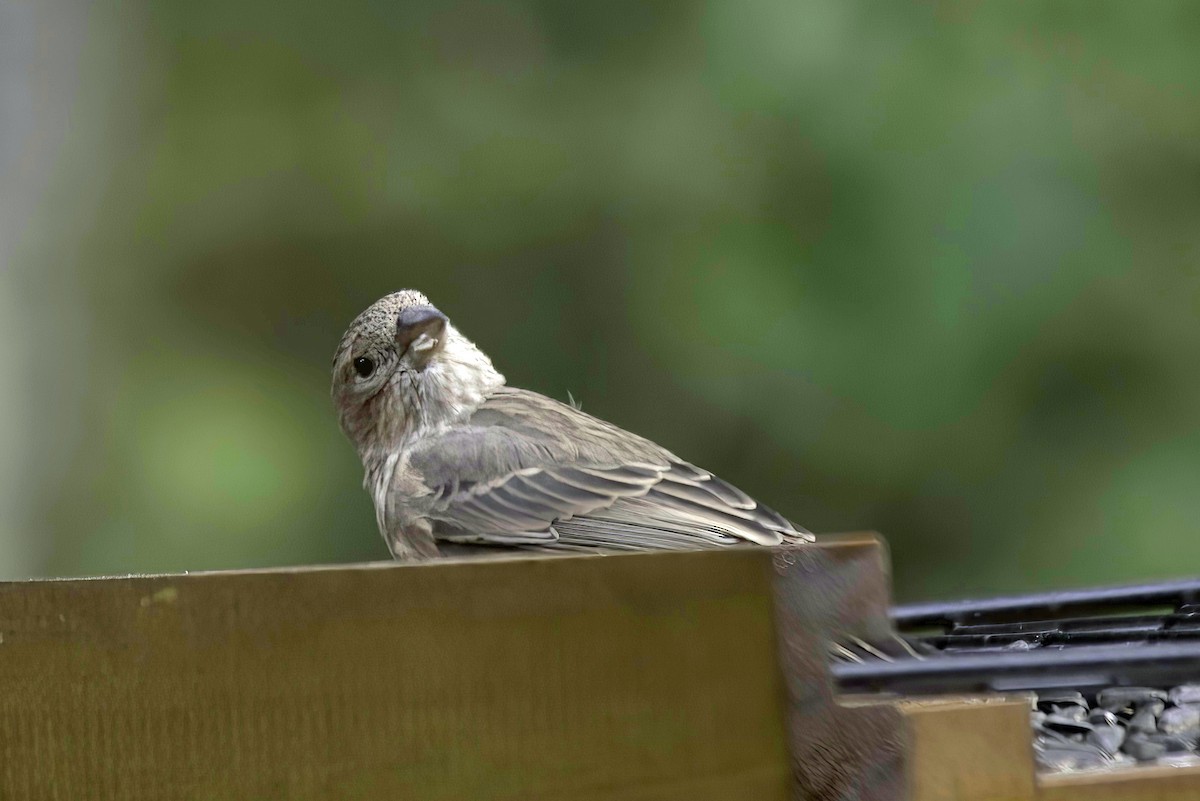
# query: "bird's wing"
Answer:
x=527 y=470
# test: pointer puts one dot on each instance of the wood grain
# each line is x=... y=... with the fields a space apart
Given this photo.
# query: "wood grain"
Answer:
x=568 y=678
x=970 y=749
x=1141 y=783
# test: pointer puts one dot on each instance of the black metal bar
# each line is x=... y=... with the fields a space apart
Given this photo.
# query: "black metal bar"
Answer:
x=1083 y=668
x=1170 y=593
x=958 y=643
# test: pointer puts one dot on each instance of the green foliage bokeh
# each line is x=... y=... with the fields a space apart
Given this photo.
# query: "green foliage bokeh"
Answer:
x=929 y=269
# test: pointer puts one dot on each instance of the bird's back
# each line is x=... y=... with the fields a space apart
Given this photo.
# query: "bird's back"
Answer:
x=528 y=471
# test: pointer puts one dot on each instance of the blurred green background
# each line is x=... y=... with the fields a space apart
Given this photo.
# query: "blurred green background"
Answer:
x=930 y=269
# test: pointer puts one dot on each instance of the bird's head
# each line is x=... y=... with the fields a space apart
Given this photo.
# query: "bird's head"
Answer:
x=402 y=368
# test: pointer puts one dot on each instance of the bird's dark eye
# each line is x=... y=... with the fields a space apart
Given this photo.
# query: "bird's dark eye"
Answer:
x=364 y=366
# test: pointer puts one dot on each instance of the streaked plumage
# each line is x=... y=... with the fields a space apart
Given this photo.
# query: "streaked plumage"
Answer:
x=452 y=455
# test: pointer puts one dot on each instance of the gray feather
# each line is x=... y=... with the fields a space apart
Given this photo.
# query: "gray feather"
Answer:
x=526 y=469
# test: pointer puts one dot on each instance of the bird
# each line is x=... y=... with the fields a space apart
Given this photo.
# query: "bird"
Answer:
x=455 y=459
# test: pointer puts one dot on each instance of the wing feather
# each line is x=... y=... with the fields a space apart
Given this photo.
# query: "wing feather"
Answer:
x=532 y=472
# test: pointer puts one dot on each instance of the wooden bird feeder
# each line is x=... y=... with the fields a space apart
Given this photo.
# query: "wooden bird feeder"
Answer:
x=691 y=676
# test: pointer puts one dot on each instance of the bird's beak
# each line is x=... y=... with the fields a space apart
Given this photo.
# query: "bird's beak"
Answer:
x=419 y=332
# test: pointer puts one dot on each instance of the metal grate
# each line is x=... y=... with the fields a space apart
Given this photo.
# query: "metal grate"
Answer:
x=1113 y=669
x=1147 y=634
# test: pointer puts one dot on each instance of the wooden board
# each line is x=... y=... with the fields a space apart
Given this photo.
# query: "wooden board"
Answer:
x=1142 y=783
x=979 y=748
x=970 y=749
x=628 y=677
x=650 y=677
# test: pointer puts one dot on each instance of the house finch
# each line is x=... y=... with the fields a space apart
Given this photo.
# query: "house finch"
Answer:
x=453 y=456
